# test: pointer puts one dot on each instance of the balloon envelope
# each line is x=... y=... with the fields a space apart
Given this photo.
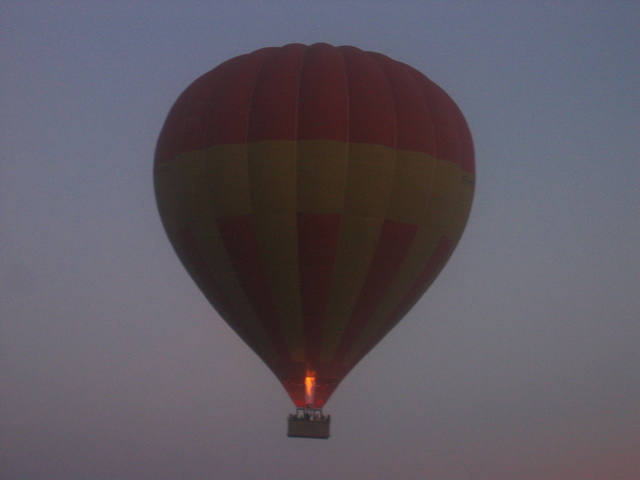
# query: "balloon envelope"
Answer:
x=313 y=193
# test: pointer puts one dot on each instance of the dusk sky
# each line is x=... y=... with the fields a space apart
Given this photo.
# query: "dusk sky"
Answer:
x=521 y=362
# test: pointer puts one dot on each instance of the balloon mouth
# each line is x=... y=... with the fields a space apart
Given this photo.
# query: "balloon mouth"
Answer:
x=310 y=388
x=309 y=391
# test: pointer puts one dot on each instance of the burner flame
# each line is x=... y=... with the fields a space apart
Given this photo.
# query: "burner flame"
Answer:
x=309 y=387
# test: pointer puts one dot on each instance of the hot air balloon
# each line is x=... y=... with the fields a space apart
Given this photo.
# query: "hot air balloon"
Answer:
x=313 y=193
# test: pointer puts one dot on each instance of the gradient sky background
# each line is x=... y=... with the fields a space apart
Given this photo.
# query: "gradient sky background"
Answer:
x=522 y=362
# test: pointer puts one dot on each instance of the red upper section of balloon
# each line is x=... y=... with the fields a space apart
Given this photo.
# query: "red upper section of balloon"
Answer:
x=317 y=92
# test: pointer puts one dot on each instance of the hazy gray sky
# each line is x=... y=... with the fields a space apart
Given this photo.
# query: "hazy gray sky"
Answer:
x=521 y=362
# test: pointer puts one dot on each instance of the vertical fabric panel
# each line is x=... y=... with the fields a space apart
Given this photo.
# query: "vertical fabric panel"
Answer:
x=324 y=97
x=241 y=242
x=318 y=242
x=274 y=103
x=444 y=114
x=228 y=119
x=371 y=113
x=322 y=172
x=414 y=126
x=272 y=178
